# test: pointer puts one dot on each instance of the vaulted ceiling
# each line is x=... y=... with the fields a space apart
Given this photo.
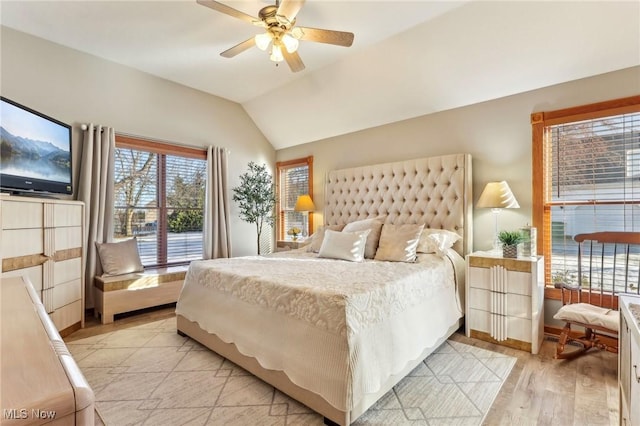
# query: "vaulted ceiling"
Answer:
x=409 y=58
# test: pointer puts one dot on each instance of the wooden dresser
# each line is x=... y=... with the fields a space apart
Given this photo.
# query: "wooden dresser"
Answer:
x=43 y=240
x=629 y=360
x=41 y=383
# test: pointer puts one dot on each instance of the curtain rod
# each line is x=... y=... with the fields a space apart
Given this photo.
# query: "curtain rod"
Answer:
x=85 y=127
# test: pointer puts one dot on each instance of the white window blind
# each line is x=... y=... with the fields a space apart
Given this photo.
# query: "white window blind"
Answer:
x=159 y=199
x=593 y=167
x=294 y=181
x=293 y=178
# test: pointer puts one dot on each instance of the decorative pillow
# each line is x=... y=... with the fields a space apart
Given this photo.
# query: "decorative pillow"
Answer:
x=398 y=243
x=344 y=245
x=120 y=258
x=318 y=236
x=444 y=240
x=374 y=225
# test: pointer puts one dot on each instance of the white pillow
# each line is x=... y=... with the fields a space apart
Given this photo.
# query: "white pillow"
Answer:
x=120 y=258
x=374 y=225
x=318 y=236
x=398 y=243
x=344 y=245
x=444 y=240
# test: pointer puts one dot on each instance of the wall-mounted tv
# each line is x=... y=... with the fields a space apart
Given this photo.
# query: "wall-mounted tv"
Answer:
x=35 y=151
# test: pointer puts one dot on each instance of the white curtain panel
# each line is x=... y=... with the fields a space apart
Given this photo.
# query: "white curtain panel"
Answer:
x=217 y=238
x=95 y=188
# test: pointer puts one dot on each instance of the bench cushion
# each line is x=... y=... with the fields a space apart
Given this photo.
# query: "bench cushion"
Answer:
x=586 y=313
x=140 y=280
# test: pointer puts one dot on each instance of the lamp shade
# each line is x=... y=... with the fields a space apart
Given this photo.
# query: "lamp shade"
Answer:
x=497 y=195
x=304 y=204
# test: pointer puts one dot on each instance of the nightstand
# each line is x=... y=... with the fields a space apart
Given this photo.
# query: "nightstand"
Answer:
x=289 y=245
x=505 y=300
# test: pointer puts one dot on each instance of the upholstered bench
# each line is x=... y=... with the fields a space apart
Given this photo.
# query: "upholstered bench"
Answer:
x=129 y=292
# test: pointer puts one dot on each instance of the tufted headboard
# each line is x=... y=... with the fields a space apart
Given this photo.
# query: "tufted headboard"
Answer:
x=435 y=191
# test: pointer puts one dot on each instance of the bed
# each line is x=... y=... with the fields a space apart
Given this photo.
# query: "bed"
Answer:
x=333 y=334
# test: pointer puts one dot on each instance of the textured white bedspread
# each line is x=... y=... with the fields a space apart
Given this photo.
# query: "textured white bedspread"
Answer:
x=337 y=328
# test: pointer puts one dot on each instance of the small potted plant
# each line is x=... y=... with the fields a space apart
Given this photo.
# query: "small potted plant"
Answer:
x=510 y=241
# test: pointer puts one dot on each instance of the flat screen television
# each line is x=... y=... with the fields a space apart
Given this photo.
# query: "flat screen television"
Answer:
x=35 y=151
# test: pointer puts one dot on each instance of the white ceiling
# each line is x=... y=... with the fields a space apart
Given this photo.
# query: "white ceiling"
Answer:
x=409 y=58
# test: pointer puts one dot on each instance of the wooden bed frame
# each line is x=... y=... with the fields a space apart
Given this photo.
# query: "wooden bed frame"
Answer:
x=435 y=191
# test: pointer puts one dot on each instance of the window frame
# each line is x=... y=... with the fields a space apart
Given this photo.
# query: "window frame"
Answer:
x=297 y=162
x=163 y=148
x=541 y=212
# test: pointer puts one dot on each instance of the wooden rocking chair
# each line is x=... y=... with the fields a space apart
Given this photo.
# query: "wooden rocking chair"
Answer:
x=607 y=265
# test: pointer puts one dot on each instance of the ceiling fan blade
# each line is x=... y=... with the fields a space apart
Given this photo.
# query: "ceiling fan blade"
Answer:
x=239 y=48
x=339 y=38
x=288 y=9
x=228 y=10
x=293 y=60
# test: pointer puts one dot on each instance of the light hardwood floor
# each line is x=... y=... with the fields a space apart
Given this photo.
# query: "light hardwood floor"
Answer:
x=540 y=390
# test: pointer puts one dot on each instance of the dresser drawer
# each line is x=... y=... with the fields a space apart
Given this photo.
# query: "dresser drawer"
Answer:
x=21 y=215
x=34 y=274
x=517 y=328
x=22 y=242
x=67 y=215
x=67 y=315
x=516 y=305
x=67 y=270
x=68 y=238
x=517 y=282
x=66 y=293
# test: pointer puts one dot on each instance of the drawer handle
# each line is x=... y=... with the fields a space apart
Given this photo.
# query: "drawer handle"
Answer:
x=635 y=370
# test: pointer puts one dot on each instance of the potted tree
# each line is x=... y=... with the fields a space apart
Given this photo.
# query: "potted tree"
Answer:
x=256 y=197
x=510 y=241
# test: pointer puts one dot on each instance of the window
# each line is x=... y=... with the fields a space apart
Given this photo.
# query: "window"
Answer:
x=586 y=163
x=293 y=178
x=159 y=198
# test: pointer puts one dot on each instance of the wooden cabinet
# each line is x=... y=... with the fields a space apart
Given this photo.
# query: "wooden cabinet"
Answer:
x=43 y=240
x=289 y=245
x=629 y=360
x=505 y=300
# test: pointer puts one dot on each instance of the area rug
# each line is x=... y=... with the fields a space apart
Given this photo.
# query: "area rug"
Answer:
x=149 y=375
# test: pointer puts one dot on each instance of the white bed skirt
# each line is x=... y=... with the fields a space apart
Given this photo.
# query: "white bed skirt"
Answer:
x=341 y=370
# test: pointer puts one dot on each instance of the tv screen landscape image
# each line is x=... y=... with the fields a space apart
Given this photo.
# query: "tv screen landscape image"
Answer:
x=35 y=151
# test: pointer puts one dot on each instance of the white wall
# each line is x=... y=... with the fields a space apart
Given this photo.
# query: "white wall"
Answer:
x=77 y=88
x=496 y=133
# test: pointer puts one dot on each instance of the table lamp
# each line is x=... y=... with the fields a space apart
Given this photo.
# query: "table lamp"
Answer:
x=497 y=196
x=304 y=203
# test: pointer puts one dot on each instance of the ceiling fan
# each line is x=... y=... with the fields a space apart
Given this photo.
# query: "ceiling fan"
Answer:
x=279 y=22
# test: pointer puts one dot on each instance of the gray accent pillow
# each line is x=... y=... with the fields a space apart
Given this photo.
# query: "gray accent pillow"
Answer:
x=120 y=258
x=398 y=243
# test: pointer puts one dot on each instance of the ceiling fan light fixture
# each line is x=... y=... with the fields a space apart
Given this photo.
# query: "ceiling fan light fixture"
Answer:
x=281 y=32
x=297 y=33
x=263 y=40
x=290 y=43
x=276 y=53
